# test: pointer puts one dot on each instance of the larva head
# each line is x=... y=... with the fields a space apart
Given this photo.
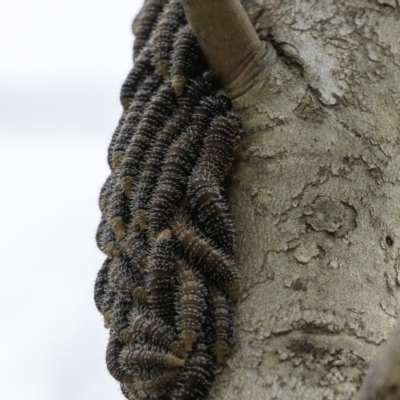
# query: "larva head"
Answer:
x=139 y=293
x=221 y=350
x=178 y=83
x=126 y=336
x=118 y=225
x=178 y=349
x=224 y=101
x=233 y=288
x=172 y=361
x=212 y=79
x=188 y=337
x=141 y=218
x=127 y=184
x=162 y=67
x=234 y=119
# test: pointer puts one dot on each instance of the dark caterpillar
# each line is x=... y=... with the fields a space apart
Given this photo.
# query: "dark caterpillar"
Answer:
x=223 y=324
x=132 y=118
x=187 y=59
x=161 y=285
x=142 y=67
x=191 y=305
x=159 y=110
x=170 y=21
x=182 y=117
x=144 y=23
x=219 y=267
x=207 y=177
x=168 y=287
x=180 y=159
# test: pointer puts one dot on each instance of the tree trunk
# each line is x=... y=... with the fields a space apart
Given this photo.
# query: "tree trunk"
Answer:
x=317 y=203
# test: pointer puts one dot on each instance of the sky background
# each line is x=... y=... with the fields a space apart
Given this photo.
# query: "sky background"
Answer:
x=62 y=65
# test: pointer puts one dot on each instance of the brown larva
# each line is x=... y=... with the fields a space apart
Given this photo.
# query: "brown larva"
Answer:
x=102 y=286
x=114 y=137
x=145 y=22
x=195 y=90
x=105 y=193
x=216 y=158
x=101 y=235
x=211 y=169
x=158 y=111
x=132 y=117
x=212 y=213
x=170 y=20
x=156 y=388
x=187 y=59
x=215 y=264
x=107 y=240
x=127 y=278
x=120 y=316
x=191 y=303
x=155 y=332
x=138 y=73
x=136 y=246
x=146 y=362
x=117 y=371
x=195 y=380
x=222 y=323
x=180 y=159
x=160 y=276
x=119 y=211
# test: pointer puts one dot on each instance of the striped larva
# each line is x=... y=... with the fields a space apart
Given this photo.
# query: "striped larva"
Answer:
x=156 y=388
x=158 y=111
x=195 y=380
x=102 y=286
x=107 y=240
x=117 y=131
x=160 y=280
x=170 y=20
x=205 y=182
x=105 y=194
x=143 y=66
x=187 y=59
x=155 y=331
x=132 y=117
x=136 y=246
x=120 y=317
x=128 y=279
x=144 y=23
x=119 y=211
x=147 y=361
x=223 y=321
x=195 y=90
x=114 y=348
x=215 y=264
x=180 y=159
x=191 y=304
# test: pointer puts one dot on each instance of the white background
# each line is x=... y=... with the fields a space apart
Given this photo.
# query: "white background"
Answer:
x=61 y=67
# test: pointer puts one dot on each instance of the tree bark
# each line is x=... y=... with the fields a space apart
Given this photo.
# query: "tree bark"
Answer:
x=317 y=204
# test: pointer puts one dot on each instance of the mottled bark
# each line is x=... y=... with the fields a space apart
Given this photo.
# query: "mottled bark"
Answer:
x=317 y=204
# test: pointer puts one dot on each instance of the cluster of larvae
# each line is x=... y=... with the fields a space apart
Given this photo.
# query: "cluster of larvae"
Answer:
x=168 y=287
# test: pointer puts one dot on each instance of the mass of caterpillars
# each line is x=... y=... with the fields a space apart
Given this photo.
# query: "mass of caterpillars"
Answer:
x=168 y=287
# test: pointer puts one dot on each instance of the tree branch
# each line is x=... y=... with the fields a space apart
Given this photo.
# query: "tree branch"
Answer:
x=228 y=40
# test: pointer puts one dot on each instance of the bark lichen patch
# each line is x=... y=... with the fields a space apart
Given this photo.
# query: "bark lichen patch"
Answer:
x=306 y=252
x=390 y=308
x=332 y=216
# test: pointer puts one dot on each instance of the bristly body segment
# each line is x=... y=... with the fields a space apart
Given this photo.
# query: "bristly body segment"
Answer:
x=168 y=288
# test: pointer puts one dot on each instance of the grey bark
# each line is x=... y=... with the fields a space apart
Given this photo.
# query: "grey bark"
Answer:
x=317 y=204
